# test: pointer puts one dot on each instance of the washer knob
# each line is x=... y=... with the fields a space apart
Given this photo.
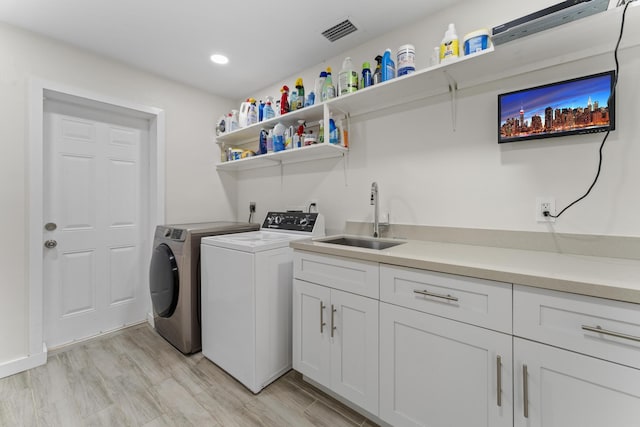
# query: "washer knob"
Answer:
x=167 y=232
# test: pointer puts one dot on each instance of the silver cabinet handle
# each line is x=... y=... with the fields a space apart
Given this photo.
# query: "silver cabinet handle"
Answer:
x=599 y=330
x=499 y=380
x=322 y=324
x=431 y=294
x=333 y=328
x=525 y=390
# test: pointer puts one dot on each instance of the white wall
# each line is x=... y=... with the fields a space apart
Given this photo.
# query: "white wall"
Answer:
x=428 y=174
x=194 y=191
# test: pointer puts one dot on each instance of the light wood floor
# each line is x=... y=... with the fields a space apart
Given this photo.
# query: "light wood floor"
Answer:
x=135 y=378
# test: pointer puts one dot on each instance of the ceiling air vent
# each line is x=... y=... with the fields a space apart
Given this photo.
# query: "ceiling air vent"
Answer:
x=340 y=30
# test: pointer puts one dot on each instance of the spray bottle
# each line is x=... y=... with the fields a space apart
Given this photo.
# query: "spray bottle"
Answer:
x=284 y=100
x=377 y=75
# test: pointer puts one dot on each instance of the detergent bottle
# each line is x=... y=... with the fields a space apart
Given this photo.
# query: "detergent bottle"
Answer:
x=261 y=111
x=252 y=114
x=328 y=89
x=367 y=78
x=268 y=113
x=293 y=100
x=449 y=48
x=244 y=113
x=388 y=66
x=347 y=78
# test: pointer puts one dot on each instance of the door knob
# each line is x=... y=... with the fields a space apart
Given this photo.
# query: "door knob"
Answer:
x=50 y=244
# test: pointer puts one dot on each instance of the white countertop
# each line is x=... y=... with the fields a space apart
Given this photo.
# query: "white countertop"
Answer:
x=613 y=278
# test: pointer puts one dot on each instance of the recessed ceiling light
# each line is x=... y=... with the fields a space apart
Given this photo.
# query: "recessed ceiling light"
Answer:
x=219 y=59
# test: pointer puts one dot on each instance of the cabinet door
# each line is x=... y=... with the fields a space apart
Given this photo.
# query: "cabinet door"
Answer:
x=437 y=372
x=354 y=353
x=311 y=334
x=570 y=389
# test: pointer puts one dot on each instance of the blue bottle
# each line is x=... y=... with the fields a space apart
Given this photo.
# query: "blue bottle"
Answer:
x=333 y=132
x=367 y=79
x=263 y=141
x=261 y=111
x=388 y=66
x=311 y=99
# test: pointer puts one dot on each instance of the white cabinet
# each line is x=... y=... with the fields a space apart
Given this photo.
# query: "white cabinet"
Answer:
x=437 y=372
x=575 y=373
x=564 y=389
x=335 y=333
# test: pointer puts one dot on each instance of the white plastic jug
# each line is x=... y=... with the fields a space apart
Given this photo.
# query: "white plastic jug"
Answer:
x=243 y=119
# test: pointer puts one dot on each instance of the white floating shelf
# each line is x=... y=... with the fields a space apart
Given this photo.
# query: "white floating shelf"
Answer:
x=310 y=152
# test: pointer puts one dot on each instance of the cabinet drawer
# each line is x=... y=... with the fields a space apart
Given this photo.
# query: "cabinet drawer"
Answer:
x=475 y=301
x=564 y=320
x=358 y=277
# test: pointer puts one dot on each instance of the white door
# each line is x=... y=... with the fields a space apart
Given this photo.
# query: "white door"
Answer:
x=564 y=389
x=311 y=335
x=96 y=196
x=354 y=353
x=437 y=372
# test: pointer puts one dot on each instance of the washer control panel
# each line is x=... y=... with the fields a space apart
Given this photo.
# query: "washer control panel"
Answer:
x=291 y=221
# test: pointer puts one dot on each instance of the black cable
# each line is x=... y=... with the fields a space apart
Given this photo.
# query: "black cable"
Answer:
x=606 y=135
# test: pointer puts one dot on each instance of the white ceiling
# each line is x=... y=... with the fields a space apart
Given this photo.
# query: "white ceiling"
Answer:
x=175 y=38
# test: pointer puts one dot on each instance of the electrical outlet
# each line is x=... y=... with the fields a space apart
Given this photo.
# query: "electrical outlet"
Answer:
x=252 y=207
x=545 y=204
x=312 y=205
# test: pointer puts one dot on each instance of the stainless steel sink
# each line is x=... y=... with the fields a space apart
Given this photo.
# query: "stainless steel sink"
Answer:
x=362 y=242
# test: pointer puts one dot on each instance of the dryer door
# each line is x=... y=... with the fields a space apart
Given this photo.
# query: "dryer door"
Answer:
x=164 y=281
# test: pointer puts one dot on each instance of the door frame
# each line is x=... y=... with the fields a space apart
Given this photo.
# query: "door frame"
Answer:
x=38 y=91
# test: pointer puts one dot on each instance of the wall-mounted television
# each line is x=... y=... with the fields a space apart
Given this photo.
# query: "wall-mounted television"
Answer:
x=577 y=106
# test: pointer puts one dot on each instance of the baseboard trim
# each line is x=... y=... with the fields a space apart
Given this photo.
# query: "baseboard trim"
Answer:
x=25 y=363
x=151 y=320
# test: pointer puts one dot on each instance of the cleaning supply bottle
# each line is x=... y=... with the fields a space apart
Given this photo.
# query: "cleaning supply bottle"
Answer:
x=334 y=136
x=367 y=78
x=270 y=141
x=321 y=131
x=268 y=112
x=328 y=89
x=293 y=100
x=263 y=141
x=347 y=78
x=311 y=99
x=388 y=66
x=261 y=111
x=343 y=133
x=377 y=75
x=284 y=100
x=319 y=84
x=252 y=115
x=300 y=89
x=449 y=48
x=278 y=137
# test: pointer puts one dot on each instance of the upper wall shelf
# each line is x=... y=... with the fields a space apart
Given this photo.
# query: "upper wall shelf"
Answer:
x=585 y=38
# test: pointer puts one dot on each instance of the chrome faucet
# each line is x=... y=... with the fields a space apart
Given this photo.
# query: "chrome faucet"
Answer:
x=375 y=202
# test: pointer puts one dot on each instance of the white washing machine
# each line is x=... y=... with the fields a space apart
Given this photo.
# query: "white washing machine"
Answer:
x=246 y=297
